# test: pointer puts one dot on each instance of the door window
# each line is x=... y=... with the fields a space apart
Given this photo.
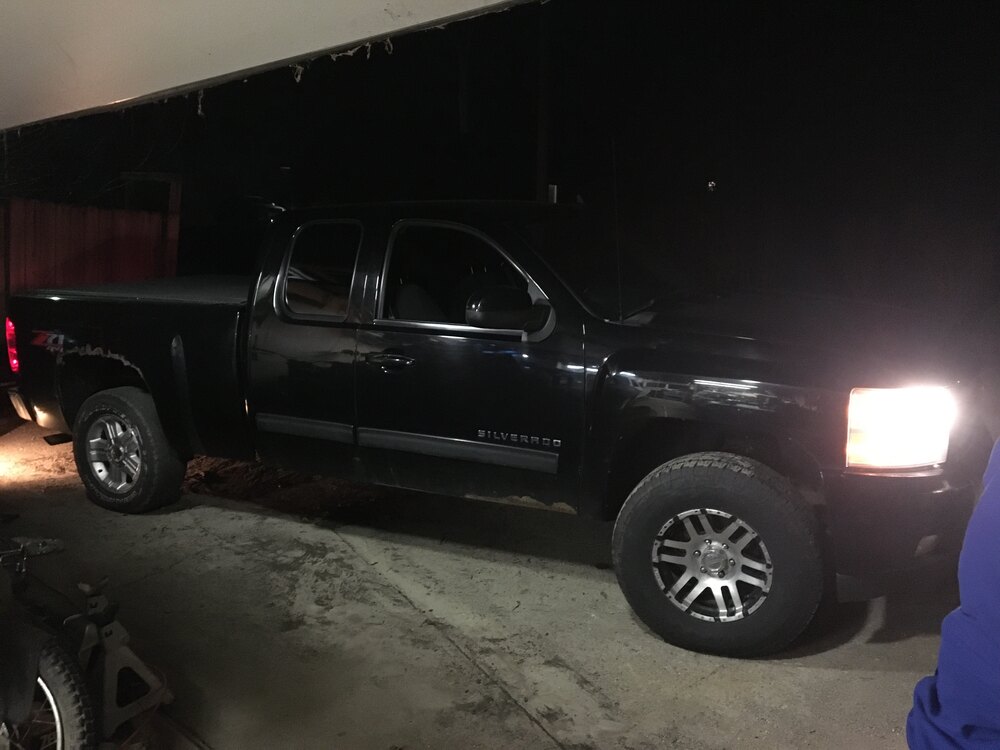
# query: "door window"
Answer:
x=317 y=280
x=434 y=269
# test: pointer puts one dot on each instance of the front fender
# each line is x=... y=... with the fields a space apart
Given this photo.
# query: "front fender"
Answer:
x=708 y=411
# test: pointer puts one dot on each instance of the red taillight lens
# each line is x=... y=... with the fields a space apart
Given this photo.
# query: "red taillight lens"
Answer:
x=12 y=347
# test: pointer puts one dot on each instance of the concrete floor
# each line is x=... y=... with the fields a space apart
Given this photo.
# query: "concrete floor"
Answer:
x=407 y=621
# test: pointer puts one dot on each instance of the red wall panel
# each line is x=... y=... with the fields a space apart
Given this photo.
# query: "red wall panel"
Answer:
x=50 y=244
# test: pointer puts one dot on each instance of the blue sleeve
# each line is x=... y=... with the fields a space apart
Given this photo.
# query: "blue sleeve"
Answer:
x=959 y=707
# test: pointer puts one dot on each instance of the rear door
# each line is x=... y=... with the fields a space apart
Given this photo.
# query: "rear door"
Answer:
x=301 y=350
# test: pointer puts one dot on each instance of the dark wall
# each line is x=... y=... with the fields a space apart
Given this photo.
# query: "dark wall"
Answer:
x=852 y=145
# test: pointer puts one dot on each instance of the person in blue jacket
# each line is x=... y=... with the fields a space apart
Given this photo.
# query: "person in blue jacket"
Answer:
x=959 y=707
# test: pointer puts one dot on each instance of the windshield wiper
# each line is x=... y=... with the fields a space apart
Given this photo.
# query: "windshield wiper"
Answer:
x=647 y=305
x=677 y=297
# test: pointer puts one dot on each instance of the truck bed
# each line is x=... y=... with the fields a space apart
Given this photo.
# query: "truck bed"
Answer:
x=181 y=338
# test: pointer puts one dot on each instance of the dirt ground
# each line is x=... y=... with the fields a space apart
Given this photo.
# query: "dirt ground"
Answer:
x=292 y=612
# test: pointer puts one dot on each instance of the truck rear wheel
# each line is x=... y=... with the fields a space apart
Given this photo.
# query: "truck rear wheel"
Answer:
x=717 y=553
x=122 y=455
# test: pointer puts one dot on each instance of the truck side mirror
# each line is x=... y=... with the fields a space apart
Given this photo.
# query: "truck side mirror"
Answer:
x=502 y=307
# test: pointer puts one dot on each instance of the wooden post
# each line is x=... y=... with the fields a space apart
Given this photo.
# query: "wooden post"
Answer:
x=544 y=112
x=170 y=236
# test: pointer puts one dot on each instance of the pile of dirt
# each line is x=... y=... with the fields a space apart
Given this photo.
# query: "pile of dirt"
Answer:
x=273 y=487
x=28 y=459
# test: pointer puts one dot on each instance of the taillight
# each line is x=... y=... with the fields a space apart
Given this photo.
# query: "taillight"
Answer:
x=15 y=365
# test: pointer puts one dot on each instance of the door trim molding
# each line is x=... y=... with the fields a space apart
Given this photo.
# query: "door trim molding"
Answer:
x=463 y=450
x=337 y=432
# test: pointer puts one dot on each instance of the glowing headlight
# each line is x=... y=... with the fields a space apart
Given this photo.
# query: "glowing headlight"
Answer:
x=899 y=428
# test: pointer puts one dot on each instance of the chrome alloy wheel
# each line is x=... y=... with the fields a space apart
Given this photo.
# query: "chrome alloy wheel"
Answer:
x=712 y=565
x=114 y=450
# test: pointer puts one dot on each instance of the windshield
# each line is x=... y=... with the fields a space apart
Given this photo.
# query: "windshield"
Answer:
x=661 y=255
x=613 y=284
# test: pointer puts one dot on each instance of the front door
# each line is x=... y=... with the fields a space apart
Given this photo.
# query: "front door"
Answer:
x=459 y=408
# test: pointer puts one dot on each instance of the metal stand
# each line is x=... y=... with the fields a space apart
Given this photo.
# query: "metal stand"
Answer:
x=126 y=685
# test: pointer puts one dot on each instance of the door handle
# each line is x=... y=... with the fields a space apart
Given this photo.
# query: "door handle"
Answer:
x=389 y=361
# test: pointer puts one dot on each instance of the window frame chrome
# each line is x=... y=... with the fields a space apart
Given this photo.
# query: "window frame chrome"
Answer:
x=279 y=300
x=535 y=291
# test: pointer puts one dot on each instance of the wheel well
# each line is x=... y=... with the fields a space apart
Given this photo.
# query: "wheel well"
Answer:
x=81 y=378
x=662 y=440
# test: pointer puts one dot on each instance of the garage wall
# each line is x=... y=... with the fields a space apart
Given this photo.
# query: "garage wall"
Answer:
x=61 y=57
x=50 y=244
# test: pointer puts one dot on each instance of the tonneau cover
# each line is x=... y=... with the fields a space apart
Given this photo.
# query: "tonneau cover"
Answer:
x=212 y=290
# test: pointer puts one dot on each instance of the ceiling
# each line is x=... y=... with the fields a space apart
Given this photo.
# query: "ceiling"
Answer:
x=61 y=58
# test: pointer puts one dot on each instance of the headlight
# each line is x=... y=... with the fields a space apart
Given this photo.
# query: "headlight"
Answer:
x=899 y=428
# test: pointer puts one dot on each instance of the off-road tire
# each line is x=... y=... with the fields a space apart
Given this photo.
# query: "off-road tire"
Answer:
x=62 y=676
x=765 y=501
x=159 y=481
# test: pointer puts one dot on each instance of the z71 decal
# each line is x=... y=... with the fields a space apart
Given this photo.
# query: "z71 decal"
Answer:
x=55 y=343
x=48 y=340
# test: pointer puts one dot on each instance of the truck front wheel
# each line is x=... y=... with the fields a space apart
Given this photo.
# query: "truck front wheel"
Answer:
x=717 y=553
x=123 y=457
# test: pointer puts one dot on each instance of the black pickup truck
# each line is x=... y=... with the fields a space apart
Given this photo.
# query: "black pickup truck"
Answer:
x=755 y=451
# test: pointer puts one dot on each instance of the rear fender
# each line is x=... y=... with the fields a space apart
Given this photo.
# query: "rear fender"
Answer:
x=87 y=369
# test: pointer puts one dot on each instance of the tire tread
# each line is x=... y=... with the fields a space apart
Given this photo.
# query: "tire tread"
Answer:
x=164 y=467
x=76 y=708
x=786 y=502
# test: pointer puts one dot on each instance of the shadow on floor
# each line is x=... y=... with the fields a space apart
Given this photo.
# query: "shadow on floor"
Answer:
x=8 y=419
x=430 y=520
